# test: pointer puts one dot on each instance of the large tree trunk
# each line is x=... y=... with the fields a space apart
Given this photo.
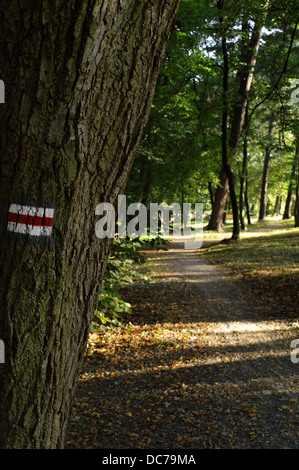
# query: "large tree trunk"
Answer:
x=80 y=78
x=264 y=188
x=220 y=197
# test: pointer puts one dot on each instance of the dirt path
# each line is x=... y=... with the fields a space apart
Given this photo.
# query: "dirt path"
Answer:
x=200 y=367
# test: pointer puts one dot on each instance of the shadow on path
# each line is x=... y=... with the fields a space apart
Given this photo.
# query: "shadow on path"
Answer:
x=200 y=366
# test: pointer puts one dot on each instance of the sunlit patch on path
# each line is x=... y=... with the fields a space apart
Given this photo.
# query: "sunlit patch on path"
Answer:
x=198 y=365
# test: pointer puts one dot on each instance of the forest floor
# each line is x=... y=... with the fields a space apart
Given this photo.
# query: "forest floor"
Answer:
x=201 y=363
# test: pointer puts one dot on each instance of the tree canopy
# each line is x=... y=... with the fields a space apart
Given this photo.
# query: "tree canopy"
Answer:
x=180 y=155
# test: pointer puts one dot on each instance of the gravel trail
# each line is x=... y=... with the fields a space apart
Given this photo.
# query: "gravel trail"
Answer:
x=200 y=367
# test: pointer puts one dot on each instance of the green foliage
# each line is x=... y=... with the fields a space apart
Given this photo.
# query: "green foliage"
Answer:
x=180 y=153
x=122 y=270
x=111 y=305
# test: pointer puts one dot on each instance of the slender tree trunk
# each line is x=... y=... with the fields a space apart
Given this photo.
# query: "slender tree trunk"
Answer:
x=246 y=199
x=80 y=78
x=296 y=211
x=289 y=200
x=244 y=172
x=291 y=191
x=263 y=201
x=185 y=219
x=220 y=197
x=211 y=193
x=249 y=53
x=241 y=203
x=277 y=205
x=226 y=209
x=226 y=165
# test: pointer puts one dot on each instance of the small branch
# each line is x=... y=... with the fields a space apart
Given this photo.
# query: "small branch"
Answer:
x=280 y=76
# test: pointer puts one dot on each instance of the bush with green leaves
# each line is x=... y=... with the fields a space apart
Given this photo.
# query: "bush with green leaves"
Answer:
x=121 y=270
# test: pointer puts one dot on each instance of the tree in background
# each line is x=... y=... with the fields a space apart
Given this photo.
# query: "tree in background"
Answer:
x=264 y=187
x=183 y=140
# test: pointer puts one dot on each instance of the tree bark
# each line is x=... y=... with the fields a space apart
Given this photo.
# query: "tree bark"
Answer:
x=220 y=197
x=241 y=202
x=243 y=176
x=277 y=205
x=226 y=165
x=246 y=199
x=289 y=200
x=80 y=78
x=296 y=213
x=264 y=188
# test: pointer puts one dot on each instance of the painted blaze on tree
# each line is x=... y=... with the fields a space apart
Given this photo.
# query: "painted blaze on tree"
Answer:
x=79 y=81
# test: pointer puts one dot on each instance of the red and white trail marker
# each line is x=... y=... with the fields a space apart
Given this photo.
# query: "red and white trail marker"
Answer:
x=35 y=221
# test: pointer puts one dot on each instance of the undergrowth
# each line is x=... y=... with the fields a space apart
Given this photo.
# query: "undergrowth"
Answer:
x=123 y=268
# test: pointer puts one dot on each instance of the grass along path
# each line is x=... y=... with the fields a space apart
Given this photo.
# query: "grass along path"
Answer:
x=267 y=260
x=200 y=364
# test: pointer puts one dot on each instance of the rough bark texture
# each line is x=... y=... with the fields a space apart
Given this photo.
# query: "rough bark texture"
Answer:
x=80 y=78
